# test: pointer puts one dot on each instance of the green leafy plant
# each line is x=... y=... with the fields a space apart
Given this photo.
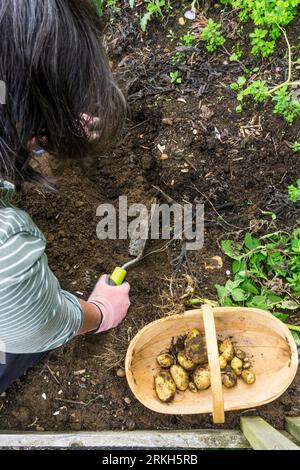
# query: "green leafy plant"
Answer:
x=236 y=53
x=178 y=58
x=187 y=39
x=258 y=90
x=151 y=8
x=268 y=17
x=212 y=35
x=154 y=8
x=294 y=192
x=285 y=105
x=260 y=44
x=171 y=35
x=296 y=146
x=266 y=273
x=176 y=77
x=113 y=4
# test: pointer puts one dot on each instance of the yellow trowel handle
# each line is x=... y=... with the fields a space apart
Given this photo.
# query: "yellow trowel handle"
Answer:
x=118 y=277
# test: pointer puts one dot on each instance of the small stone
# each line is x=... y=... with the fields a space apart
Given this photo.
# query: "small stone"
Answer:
x=181 y=21
x=75 y=422
x=164 y=156
x=75 y=426
x=79 y=204
x=39 y=429
x=130 y=424
x=127 y=400
x=167 y=121
x=44 y=396
x=121 y=373
x=147 y=162
x=79 y=372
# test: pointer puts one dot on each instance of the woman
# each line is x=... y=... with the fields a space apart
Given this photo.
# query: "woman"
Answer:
x=56 y=75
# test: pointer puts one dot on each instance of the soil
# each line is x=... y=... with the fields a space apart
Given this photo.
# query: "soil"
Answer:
x=236 y=164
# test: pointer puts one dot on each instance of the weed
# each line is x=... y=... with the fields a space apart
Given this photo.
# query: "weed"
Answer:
x=294 y=192
x=268 y=16
x=260 y=44
x=296 y=146
x=178 y=58
x=176 y=77
x=236 y=54
x=154 y=8
x=171 y=35
x=212 y=35
x=187 y=39
x=266 y=273
x=285 y=105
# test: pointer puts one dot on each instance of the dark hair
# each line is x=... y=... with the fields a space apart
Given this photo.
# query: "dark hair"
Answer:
x=54 y=67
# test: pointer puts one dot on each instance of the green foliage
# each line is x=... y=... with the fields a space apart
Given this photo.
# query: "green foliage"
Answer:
x=154 y=8
x=260 y=44
x=267 y=16
x=212 y=35
x=266 y=273
x=113 y=4
x=285 y=105
x=294 y=192
x=171 y=35
x=296 y=146
x=258 y=90
x=236 y=54
x=187 y=39
x=176 y=77
x=178 y=58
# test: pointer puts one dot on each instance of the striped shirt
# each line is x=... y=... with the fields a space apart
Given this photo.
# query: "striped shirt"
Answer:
x=36 y=315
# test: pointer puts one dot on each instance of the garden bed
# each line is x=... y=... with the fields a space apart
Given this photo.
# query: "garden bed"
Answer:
x=236 y=164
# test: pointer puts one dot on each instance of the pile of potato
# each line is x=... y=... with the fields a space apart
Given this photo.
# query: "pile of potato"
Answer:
x=184 y=367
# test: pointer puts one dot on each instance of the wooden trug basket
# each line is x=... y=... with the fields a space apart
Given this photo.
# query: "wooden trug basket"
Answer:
x=266 y=341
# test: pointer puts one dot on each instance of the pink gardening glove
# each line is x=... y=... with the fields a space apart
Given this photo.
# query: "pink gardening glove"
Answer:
x=113 y=302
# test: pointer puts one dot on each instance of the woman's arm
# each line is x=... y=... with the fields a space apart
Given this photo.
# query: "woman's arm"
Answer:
x=92 y=318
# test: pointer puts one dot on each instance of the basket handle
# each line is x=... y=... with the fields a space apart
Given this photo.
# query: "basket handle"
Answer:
x=214 y=364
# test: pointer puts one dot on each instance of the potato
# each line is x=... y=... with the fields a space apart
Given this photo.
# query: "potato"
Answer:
x=201 y=378
x=247 y=365
x=192 y=334
x=237 y=366
x=180 y=377
x=165 y=360
x=223 y=362
x=248 y=376
x=184 y=361
x=229 y=379
x=165 y=387
x=195 y=350
x=227 y=349
x=240 y=354
x=192 y=387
